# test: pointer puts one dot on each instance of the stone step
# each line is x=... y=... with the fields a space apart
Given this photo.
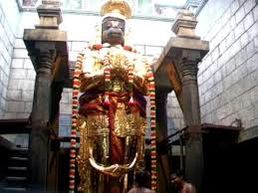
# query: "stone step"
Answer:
x=16 y=178
x=20 y=149
x=17 y=158
x=19 y=171
x=13 y=190
x=17 y=168
x=19 y=152
x=18 y=162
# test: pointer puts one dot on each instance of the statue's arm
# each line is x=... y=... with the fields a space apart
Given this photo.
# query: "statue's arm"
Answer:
x=89 y=81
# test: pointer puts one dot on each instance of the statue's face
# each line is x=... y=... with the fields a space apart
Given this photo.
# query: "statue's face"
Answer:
x=113 y=31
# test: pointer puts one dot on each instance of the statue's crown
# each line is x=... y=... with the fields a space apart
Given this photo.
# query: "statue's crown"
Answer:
x=116 y=8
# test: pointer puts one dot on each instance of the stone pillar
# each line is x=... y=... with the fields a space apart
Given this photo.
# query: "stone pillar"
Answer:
x=188 y=68
x=163 y=162
x=47 y=48
x=191 y=109
x=186 y=61
x=39 y=140
x=176 y=69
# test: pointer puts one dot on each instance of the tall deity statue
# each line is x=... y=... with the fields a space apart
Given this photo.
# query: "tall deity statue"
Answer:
x=111 y=82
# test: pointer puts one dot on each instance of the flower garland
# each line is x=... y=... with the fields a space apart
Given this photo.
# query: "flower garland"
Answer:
x=75 y=104
x=130 y=81
x=107 y=79
x=152 y=96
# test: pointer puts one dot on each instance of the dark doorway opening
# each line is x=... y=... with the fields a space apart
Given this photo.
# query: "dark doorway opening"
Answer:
x=230 y=167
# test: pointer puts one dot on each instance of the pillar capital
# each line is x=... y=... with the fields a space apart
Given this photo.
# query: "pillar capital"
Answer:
x=44 y=63
x=188 y=64
x=44 y=56
x=188 y=70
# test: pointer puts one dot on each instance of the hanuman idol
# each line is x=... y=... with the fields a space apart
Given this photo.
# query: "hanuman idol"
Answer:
x=111 y=82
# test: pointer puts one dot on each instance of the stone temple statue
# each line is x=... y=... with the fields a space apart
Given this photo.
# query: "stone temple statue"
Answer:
x=113 y=82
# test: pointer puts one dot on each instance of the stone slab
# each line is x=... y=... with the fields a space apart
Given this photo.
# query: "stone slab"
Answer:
x=45 y=35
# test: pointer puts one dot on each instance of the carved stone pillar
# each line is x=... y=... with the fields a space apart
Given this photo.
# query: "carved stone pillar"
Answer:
x=188 y=68
x=177 y=69
x=47 y=48
x=186 y=61
x=40 y=116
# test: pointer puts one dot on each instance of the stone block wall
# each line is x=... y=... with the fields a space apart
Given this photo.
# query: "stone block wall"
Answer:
x=21 y=84
x=175 y=118
x=9 y=17
x=228 y=75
